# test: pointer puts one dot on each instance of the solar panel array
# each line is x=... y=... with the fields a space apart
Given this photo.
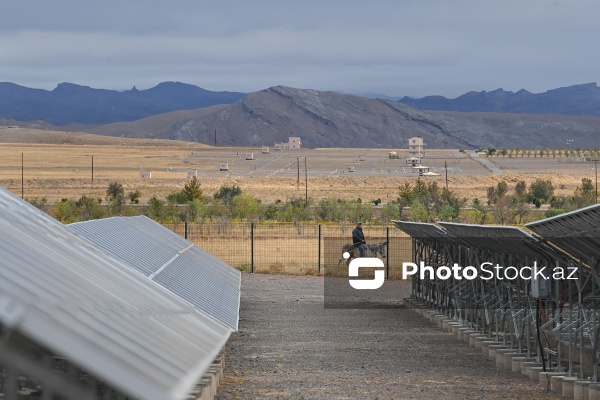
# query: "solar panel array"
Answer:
x=66 y=295
x=184 y=269
x=577 y=232
x=511 y=306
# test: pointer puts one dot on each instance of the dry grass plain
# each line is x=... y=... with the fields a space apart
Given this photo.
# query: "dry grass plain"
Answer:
x=59 y=165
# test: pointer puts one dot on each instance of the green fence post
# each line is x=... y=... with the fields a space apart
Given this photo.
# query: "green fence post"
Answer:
x=387 y=258
x=319 y=258
x=252 y=247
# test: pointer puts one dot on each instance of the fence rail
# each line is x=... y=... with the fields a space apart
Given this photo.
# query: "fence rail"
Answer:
x=300 y=249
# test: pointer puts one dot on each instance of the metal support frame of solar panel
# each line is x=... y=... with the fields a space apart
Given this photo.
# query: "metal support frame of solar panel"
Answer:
x=173 y=262
x=431 y=245
x=577 y=233
x=562 y=326
x=60 y=295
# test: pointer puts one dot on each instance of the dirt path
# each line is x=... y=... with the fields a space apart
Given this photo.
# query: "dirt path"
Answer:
x=289 y=347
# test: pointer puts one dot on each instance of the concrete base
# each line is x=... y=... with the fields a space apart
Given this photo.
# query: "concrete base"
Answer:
x=508 y=359
x=545 y=378
x=568 y=387
x=517 y=361
x=475 y=340
x=493 y=349
x=526 y=366
x=581 y=390
x=556 y=382
x=594 y=391
x=500 y=356
x=534 y=373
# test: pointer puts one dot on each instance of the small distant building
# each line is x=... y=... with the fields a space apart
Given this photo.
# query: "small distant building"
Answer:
x=265 y=150
x=249 y=156
x=393 y=155
x=361 y=157
x=192 y=173
x=224 y=166
x=421 y=169
x=145 y=174
x=416 y=147
x=413 y=161
x=294 y=142
x=278 y=146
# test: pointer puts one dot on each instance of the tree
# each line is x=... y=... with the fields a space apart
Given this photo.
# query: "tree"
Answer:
x=496 y=193
x=541 y=189
x=134 y=197
x=89 y=208
x=389 y=212
x=246 y=207
x=155 y=209
x=226 y=194
x=116 y=197
x=116 y=193
x=521 y=189
x=585 y=195
x=418 y=212
x=192 y=190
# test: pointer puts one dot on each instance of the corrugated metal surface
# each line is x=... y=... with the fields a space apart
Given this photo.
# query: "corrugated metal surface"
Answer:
x=63 y=293
x=576 y=232
x=203 y=280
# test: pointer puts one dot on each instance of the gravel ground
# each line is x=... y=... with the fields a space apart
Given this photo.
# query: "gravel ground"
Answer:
x=290 y=347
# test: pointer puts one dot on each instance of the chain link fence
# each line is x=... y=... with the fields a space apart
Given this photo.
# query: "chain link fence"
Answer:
x=299 y=249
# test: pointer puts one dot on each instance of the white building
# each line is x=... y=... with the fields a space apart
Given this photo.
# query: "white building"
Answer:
x=416 y=147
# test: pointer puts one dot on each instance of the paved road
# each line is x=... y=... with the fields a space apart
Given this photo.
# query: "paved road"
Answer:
x=289 y=347
x=485 y=162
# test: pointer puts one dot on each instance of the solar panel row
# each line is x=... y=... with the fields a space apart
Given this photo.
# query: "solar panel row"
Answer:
x=64 y=293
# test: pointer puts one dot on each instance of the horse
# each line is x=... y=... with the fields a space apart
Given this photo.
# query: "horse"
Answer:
x=371 y=250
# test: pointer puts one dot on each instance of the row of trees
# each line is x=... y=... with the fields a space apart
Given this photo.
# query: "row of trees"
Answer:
x=419 y=201
x=490 y=152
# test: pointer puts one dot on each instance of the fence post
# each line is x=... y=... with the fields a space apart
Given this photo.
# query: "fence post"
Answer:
x=185 y=227
x=319 y=258
x=252 y=247
x=387 y=259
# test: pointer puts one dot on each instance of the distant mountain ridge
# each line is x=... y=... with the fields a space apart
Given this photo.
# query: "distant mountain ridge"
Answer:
x=331 y=119
x=69 y=103
x=581 y=99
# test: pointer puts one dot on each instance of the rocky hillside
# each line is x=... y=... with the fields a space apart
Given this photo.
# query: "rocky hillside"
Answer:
x=331 y=119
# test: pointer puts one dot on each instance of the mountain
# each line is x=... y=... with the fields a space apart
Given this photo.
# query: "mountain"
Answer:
x=331 y=119
x=573 y=100
x=69 y=103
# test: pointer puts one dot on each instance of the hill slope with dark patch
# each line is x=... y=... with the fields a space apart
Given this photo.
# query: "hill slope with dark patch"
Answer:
x=330 y=119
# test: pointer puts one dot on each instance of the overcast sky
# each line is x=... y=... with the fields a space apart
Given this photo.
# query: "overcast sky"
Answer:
x=393 y=47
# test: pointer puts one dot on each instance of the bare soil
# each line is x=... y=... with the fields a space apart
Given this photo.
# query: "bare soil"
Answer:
x=290 y=347
x=59 y=165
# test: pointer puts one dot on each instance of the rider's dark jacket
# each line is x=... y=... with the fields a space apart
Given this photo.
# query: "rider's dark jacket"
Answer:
x=357 y=236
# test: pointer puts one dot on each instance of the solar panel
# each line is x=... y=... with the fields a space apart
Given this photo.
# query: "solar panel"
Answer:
x=74 y=300
x=196 y=276
x=576 y=232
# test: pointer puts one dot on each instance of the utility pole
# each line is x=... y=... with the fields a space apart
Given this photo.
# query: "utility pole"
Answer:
x=596 y=171
x=215 y=138
x=446 y=168
x=298 y=168
x=22 y=178
x=306 y=183
x=92 y=170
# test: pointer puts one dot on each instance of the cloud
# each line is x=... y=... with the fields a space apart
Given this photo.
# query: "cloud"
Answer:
x=394 y=47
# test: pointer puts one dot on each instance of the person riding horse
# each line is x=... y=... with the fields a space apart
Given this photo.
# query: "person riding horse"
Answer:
x=358 y=239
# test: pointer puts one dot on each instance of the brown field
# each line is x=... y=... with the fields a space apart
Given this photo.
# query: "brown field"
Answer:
x=59 y=165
